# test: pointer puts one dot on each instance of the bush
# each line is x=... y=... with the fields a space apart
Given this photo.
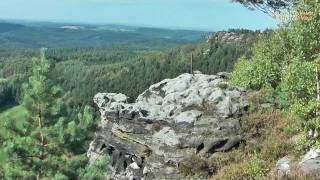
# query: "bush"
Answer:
x=264 y=68
x=221 y=159
x=286 y=62
x=208 y=166
x=266 y=140
x=250 y=169
x=98 y=170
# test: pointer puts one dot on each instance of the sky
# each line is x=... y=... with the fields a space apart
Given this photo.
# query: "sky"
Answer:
x=179 y=14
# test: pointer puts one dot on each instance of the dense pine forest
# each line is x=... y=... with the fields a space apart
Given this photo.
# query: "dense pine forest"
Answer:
x=66 y=79
x=128 y=69
x=50 y=72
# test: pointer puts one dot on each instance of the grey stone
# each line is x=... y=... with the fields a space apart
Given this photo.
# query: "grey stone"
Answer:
x=283 y=164
x=166 y=136
x=169 y=121
x=311 y=161
x=188 y=116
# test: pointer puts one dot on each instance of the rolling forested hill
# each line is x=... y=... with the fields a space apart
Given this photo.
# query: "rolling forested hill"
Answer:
x=58 y=35
x=82 y=60
x=5 y=27
x=128 y=68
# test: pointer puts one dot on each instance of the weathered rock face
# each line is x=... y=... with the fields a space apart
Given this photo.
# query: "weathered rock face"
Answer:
x=309 y=163
x=171 y=120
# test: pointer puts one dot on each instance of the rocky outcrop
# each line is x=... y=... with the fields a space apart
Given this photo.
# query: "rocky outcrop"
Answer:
x=191 y=114
x=309 y=163
x=229 y=37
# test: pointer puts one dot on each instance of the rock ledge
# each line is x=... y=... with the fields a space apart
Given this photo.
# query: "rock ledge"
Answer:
x=168 y=122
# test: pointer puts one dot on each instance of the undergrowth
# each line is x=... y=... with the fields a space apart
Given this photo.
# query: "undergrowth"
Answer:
x=267 y=136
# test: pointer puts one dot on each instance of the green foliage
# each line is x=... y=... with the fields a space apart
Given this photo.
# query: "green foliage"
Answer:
x=264 y=68
x=43 y=142
x=128 y=69
x=8 y=93
x=79 y=132
x=250 y=169
x=265 y=141
x=287 y=62
x=98 y=170
x=62 y=83
x=10 y=117
x=298 y=88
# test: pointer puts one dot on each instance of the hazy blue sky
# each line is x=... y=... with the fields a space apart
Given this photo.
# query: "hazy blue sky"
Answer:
x=190 y=14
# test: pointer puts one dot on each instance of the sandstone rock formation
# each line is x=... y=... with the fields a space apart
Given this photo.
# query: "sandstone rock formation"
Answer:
x=228 y=37
x=309 y=163
x=168 y=122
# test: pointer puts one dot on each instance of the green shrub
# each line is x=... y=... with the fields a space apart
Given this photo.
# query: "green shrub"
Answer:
x=264 y=68
x=98 y=170
x=286 y=62
x=221 y=159
x=205 y=166
x=250 y=169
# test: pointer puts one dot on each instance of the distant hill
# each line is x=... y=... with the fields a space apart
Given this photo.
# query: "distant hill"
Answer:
x=5 y=27
x=61 y=35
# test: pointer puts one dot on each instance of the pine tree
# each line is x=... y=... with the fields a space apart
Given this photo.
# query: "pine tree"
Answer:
x=37 y=146
x=31 y=145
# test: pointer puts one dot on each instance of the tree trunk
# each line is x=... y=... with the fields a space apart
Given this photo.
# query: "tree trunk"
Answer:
x=40 y=125
x=318 y=91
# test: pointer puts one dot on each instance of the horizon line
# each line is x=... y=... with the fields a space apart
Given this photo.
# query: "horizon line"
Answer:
x=70 y=22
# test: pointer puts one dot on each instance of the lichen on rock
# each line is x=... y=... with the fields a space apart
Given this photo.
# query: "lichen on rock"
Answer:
x=193 y=113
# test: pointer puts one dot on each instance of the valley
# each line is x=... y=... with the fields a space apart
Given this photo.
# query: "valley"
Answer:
x=102 y=101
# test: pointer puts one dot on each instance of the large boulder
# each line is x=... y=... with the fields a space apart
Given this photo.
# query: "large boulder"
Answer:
x=171 y=120
x=309 y=163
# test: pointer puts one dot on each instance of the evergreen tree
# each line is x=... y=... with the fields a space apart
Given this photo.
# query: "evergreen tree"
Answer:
x=98 y=170
x=45 y=144
x=32 y=146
